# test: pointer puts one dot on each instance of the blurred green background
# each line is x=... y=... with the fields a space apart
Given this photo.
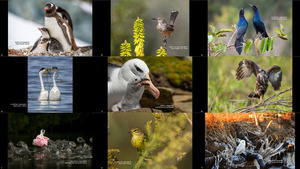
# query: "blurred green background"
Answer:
x=173 y=72
x=119 y=137
x=125 y=12
x=226 y=94
x=225 y=13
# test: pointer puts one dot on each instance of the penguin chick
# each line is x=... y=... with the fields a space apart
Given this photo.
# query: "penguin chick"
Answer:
x=40 y=46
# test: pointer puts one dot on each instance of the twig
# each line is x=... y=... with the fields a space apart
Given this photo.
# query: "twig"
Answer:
x=266 y=103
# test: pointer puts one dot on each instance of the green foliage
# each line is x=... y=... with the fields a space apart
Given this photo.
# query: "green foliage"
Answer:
x=264 y=44
x=139 y=37
x=171 y=137
x=213 y=36
x=248 y=45
x=112 y=158
x=280 y=33
x=177 y=70
x=223 y=14
x=122 y=17
x=125 y=49
x=226 y=94
x=161 y=52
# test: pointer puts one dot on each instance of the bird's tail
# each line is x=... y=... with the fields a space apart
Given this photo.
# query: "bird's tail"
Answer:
x=238 y=45
x=173 y=17
x=253 y=95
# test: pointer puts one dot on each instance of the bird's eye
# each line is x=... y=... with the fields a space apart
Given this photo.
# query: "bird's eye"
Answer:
x=138 y=69
x=135 y=79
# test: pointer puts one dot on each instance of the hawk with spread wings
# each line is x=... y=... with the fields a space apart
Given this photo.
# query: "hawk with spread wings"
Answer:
x=273 y=75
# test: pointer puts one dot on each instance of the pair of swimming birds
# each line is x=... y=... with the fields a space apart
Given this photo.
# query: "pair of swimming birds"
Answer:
x=57 y=35
x=54 y=94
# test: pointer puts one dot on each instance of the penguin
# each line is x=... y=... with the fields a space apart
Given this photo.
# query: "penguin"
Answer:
x=65 y=15
x=59 y=28
x=40 y=45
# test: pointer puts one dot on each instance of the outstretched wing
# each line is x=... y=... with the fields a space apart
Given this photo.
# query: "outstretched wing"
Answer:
x=275 y=76
x=246 y=68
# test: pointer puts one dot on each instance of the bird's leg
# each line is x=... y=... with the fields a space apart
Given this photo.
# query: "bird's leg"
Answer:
x=261 y=96
x=254 y=37
x=165 y=42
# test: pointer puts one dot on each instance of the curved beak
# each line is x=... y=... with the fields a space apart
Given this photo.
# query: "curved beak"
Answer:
x=150 y=87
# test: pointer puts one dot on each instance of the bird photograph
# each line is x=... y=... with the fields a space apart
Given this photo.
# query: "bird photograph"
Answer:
x=249 y=28
x=50 y=140
x=50 y=85
x=250 y=84
x=251 y=140
x=149 y=140
x=149 y=84
x=164 y=24
x=57 y=28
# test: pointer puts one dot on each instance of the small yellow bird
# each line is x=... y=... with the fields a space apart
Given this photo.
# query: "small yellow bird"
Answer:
x=138 y=139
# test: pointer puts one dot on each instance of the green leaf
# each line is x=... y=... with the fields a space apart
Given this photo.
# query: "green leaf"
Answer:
x=270 y=43
x=277 y=31
x=281 y=28
x=248 y=45
x=222 y=35
x=210 y=38
x=213 y=28
x=264 y=44
x=256 y=44
x=223 y=31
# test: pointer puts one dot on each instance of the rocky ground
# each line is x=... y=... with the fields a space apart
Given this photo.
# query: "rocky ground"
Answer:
x=82 y=51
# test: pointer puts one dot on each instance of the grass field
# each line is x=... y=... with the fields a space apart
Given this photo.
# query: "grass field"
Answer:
x=226 y=94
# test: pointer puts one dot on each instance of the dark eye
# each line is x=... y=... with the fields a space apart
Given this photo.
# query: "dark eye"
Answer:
x=135 y=79
x=138 y=69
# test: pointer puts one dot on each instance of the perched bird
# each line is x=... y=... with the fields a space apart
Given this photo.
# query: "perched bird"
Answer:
x=164 y=28
x=241 y=30
x=59 y=28
x=54 y=92
x=118 y=78
x=41 y=140
x=273 y=75
x=258 y=23
x=138 y=139
x=241 y=148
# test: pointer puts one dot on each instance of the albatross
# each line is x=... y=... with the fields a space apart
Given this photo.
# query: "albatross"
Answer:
x=119 y=76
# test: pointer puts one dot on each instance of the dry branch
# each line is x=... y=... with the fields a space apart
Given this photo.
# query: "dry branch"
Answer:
x=267 y=102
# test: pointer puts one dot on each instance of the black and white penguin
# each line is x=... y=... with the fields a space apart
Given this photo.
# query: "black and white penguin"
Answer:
x=40 y=45
x=53 y=46
x=65 y=15
x=59 y=28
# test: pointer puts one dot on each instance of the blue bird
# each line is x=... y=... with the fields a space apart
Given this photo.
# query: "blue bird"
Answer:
x=258 y=23
x=241 y=30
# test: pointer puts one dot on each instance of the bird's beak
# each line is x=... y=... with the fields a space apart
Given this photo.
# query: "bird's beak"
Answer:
x=243 y=8
x=143 y=83
x=150 y=87
x=46 y=8
x=251 y=5
x=154 y=18
x=40 y=28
